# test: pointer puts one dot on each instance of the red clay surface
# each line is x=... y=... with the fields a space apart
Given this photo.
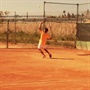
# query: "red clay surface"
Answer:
x=25 y=69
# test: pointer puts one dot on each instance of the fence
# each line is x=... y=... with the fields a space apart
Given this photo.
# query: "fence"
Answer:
x=83 y=28
x=67 y=17
x=19 y=32
x=22 y=31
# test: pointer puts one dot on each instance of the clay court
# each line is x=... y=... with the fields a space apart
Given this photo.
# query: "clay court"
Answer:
x=25 y=69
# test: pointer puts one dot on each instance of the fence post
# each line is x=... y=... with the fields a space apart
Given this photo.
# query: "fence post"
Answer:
x=15 y=27
x=7 y=34
x=27 y=15
x=77 y=24
x=44 y=15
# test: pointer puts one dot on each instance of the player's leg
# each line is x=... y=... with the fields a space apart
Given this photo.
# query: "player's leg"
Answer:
x=42 y=53
x=48 y=52
x=39 y=48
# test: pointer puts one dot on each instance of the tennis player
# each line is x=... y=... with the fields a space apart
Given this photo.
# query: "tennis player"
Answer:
x=44 y=36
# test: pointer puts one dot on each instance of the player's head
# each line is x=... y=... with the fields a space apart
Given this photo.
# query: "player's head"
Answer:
x=46 y=30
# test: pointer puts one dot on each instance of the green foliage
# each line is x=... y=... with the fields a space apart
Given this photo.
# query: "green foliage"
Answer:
x=33 y=38
x=66 y=37
x=20 y=37
x=3 y=36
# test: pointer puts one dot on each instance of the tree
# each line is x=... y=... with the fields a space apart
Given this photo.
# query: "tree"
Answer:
x=82 y=15
x=73 y=16
x=6 y=13
x=88 y=11
x=64 y=12
x=1 y=13
x=68 y=15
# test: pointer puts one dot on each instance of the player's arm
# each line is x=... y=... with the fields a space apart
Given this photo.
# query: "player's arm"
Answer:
x=50 y=37
x=40 y=26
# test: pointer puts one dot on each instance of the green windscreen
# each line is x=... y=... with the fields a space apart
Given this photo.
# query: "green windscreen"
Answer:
x=83 y=36
x=83 y=33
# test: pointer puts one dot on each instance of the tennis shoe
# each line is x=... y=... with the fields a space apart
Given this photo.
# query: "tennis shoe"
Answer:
x=50 y=55
x=44 y=56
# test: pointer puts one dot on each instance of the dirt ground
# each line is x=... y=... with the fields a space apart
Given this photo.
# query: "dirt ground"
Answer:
x=25 y=69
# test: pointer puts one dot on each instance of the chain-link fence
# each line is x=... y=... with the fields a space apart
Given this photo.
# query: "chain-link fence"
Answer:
x=21 y=31
x=62 y=21
x=66 y=19
x=15 y=31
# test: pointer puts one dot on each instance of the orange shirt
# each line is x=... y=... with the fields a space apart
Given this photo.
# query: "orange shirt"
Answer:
x=43 y=38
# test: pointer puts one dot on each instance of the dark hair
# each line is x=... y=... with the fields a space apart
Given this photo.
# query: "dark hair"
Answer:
x=46 y=30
